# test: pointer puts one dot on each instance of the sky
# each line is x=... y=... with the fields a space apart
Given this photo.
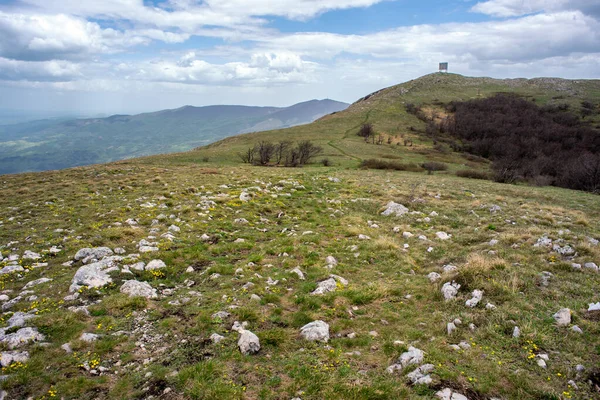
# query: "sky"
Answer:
x=128 y=56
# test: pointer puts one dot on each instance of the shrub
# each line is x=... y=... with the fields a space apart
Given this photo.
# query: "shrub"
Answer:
x=393 y=165
x=326 y=162
x=431 y=166
x=366 y=131
x=472 y=174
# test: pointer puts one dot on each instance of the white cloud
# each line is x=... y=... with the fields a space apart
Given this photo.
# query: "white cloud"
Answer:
x=529 y=38
x=52 y=71
x=513 y=8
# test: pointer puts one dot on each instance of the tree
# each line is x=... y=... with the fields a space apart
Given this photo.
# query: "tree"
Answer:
x=281 y=149
x=248 y=156
x=366 y=131
x=265 y=152
x=307 y=150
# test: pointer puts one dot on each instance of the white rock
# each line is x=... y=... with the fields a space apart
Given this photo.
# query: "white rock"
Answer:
x=155 y=264
x=92 y=276
x=563 y=317
x=36 y=282
x=541 y=363
x=394 y=208
x=576 y=329
x=135 y=288
x=19 y=319
x=450 y=290
x=591 y=266
x=255 y=297
x=9 y=357
x=298 y=272
x=189 y=269
x=89 y=337
x=315 y=331
x=442 y=235
x=449 y=394
x=174 y=228
x=490 y=306
x=451 y=327
x=477 y=296
x=96 y=253
x=245 y=196
x=363 y=237
x=594 y=306
x=216 y=338
x=326 y=286
x=412 y=356
x=434 y=277
x=21 y=337
x=407 y=235
x=516 y=332
x=30 y=255
x=148 y=249
x=449 y=268
x=420 y=376
x=330 y=260
x=339 y=279
x=248 y=342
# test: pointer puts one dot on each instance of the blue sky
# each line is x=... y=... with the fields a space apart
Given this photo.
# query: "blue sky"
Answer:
x=125 y=56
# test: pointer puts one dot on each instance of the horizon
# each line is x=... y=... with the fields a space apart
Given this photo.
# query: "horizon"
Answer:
x=133 y=56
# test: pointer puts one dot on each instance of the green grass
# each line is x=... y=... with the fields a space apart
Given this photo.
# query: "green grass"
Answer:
x=388 y=290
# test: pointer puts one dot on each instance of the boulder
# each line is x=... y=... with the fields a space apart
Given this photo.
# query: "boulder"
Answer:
x=563 y=317
x=420 y=376
x=477 y=296
x=155 y=264
x=326 y=286
x=135 y=288
x=97 y=253
x=21 y=337
x=36 y=282
x=9 y=357
x=92 y=276
x=248 y=342
x=450 y=290
x=315 y=331
x=395 y=209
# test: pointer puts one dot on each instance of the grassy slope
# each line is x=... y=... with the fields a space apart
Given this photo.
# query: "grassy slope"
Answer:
x=385 y=110
x=89 y=202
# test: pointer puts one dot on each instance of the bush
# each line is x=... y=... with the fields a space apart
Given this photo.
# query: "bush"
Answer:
x=472 y=174
x=431 y=166
x=326 y=162
x=391 y=165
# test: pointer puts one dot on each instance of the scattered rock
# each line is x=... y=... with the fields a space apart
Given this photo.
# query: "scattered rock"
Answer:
x=363 y=237
x=563 y=317
x=315 y=331
x=516 y=332
x=89 y=337
x=576 y=329
x=248 y=342
x=216 y=338
x=450 y=290
x=89 y=254
x=443 y=235
x=298 y=272
x=92 y=276
x=135 y=288
x=326 y=286
x=330 y=260
x=222 y=315
x=30 y=255
x=434 y=277
x=412 y=356
x=245 y=196
x=477 y=296
x=594 y=306
x=450 y=327
x=155 y=264
x=449 y=394
x=591 y=266
x=395 y=209
x=21 y=337
x=420 y=376
x=36 y=282
x=9 y=357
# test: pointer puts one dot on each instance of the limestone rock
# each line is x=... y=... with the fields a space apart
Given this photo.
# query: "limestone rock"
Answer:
x=91 y=275
x=434 y=277
x=326 y=286
x=89 y=254
x=9 y=357
x=315 y=331
x=21 y=337
x=477 y=296
x=450 y=290
x=155 y=264
x=563 y=317
x=420 y=376
x=135 y=288
x=449 y=394
x=248 y=342
x=395 y=209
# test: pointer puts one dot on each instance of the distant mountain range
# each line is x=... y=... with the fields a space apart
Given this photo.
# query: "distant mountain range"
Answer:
x=56 y=144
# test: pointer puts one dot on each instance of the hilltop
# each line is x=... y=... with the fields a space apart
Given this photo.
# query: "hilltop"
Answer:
x=50 y=144
x=195 y=276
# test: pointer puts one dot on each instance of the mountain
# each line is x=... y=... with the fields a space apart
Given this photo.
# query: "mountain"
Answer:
x=50 y=144
x=176 y=278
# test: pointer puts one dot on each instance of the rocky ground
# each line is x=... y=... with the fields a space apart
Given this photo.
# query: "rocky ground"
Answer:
x=138 y=281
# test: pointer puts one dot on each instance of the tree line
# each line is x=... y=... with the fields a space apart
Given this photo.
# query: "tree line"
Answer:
x=281 y=153
x=547 y=145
